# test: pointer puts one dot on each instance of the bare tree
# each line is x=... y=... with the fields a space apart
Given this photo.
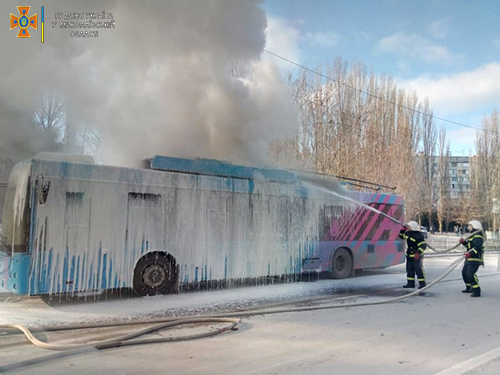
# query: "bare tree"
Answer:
x=427 y=162
x=362 y=126
x=443 y=183
x=50 y=115
x=89 y=138
x=485 y=171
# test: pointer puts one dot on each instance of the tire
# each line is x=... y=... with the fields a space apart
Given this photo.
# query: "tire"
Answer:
x=341 y=264
x=155 y=273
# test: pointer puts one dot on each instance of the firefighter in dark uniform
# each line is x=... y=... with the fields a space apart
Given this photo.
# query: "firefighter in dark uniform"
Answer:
x=473 y=258
x=414 y=254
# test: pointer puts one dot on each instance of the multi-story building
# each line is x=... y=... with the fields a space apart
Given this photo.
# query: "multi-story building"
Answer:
x=459 y=170
x=459 y=167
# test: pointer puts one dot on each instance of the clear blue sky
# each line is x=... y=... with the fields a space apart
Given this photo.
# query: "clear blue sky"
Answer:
x=448 y=50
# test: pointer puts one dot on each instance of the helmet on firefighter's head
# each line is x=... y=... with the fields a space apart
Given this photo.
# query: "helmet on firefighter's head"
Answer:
x=475 y=225
x=413 y=225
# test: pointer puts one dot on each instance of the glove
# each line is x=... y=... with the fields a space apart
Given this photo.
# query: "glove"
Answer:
x=461 y=240
x=467 y=255
x=404 y=229
x=416 y=256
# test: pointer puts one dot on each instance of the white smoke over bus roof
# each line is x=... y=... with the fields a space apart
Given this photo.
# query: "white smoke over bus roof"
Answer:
x=180 y=78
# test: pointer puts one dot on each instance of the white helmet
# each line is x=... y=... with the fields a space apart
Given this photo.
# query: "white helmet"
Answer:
x=413 y=225
x=475 y=224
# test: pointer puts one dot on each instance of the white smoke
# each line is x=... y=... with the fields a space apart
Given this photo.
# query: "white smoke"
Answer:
x=161 y=82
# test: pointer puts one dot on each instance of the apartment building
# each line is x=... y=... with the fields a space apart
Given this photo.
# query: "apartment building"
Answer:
x=459 y=175
x=459 y=169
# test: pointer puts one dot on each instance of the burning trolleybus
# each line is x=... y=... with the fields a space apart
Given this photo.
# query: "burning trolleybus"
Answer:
x=71 y=226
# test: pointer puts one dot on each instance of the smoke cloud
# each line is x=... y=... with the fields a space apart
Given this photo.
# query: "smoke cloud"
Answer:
x=179 y=78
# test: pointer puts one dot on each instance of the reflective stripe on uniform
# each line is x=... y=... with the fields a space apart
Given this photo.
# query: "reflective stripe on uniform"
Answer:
x=420 y=248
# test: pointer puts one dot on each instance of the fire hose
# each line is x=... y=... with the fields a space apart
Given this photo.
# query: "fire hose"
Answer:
x=126 y=340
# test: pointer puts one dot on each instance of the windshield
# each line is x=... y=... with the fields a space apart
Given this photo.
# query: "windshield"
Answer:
x=14 y=234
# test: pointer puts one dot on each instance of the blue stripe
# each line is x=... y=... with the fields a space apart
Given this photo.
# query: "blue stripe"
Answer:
x=392 y=199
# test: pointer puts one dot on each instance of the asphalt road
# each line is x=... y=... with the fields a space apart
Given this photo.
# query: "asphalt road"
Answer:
x=444 y=332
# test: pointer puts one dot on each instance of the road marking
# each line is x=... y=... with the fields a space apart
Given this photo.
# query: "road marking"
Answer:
x=472 y=363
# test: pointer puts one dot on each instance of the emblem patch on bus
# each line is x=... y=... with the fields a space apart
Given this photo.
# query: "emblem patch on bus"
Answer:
x=24 y=22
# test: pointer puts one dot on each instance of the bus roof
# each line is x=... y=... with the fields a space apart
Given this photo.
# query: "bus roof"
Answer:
x=219 y=168
x=78 y=167
x=74 y=158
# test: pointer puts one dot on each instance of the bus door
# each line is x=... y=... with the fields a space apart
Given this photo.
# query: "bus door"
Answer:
x=61 y=261
x=79 y=263
x=15 y=231
x=145 y=226
x=215 y=254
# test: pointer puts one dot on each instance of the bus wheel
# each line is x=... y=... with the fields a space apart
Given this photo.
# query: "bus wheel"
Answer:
x=155 y=273
x=341 y=264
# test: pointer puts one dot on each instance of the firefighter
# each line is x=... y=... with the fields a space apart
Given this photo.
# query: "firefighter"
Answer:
x=414 y=254
x=473 y=258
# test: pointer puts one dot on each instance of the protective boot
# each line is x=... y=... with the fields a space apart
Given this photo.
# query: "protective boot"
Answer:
x=476 y=292
x=467 y=289
x=409 y=285
x=422 y=285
